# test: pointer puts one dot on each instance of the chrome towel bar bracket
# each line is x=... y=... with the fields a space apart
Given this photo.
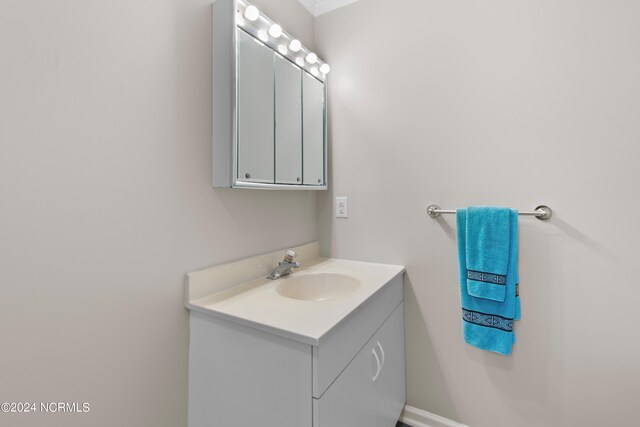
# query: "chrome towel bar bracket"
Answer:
x=541 y=212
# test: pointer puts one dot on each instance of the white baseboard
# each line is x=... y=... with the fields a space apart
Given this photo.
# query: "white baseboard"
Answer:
x=418 y=418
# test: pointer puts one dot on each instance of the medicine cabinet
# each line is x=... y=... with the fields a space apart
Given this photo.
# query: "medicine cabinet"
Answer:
x=269 y=104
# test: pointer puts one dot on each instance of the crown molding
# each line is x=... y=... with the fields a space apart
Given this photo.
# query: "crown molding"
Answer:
x=319 y=7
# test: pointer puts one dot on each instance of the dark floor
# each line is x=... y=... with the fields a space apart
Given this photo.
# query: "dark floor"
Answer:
x=402 y=424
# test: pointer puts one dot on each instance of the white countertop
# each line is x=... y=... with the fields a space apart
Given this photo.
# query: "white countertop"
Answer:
x=257 y=303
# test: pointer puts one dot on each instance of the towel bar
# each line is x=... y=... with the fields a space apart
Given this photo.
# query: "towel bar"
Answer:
x=541 y=212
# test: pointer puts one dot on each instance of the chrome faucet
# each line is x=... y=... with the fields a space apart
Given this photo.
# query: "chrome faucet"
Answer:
x=284 y=268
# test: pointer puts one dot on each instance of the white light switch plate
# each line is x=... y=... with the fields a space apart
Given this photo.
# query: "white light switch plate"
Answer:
x=342 y=207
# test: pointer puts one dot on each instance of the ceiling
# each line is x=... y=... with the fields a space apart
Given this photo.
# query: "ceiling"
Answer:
x=318 y=7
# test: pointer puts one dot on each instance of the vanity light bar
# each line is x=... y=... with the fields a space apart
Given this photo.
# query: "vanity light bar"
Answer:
x=251 y=20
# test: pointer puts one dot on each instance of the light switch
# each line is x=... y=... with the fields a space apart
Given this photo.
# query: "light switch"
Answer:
x=342 y=207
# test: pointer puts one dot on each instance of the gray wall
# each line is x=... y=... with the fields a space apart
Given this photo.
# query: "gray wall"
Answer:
x=105 y=124
x=497 y=102
x=293 y=17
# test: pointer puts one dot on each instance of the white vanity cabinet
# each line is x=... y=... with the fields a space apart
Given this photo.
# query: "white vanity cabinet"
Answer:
x=353 y=376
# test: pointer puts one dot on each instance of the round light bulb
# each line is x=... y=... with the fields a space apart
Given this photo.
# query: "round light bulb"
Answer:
x=300 y=61
x=275 y=31
x=240 y=19
x=324 y=68
x=262 y=35
x=295 y=45
x=251 y=13
x=283 y=49
x=314 y=71
x=312 y=58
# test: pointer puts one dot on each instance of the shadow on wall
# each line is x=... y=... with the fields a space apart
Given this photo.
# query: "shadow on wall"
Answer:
x=449 y=231
x=534 y=355
x=258 y=216
x=416 y=351
x=561 y=268
x=539 y=341
x=586 y=241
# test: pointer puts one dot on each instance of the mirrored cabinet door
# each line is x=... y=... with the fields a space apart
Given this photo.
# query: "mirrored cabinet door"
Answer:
x=288 y=122
x=269 y=118
x=255 y=110
x=313 y=130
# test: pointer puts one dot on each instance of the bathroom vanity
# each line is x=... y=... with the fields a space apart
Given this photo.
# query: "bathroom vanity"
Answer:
x=323 y=347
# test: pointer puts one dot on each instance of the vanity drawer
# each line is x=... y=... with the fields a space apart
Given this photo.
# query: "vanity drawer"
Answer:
x=341 y=345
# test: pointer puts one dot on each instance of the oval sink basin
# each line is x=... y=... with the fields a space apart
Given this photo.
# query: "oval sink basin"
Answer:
x=317 y=286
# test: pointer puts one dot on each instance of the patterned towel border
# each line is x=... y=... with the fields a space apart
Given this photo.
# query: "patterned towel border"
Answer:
x=488 y=320
x=481 y=276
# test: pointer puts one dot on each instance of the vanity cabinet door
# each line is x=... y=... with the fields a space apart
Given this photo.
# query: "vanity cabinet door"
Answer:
x=370 y=392
x=351 y=399
x=255 y=111
x=313 y=130
x=288 y=122
x=341 y=345
x=390 y=384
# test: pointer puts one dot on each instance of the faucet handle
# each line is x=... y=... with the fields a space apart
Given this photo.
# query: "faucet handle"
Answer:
x=289 y=255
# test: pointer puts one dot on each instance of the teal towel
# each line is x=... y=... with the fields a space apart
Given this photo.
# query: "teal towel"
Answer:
x=487 y=251
x=487 y=323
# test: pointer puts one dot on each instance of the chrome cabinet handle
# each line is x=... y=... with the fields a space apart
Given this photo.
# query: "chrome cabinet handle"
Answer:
x=381 y=352
x=375 y=377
